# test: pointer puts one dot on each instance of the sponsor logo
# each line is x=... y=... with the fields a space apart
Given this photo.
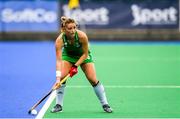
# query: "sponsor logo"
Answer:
x=145 y=16
x=97 y=16
x=38 y=15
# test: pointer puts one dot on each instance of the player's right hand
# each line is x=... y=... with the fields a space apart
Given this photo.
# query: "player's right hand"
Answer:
x=73 y=70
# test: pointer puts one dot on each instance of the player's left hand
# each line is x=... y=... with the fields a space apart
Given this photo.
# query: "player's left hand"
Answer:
x=73 y=70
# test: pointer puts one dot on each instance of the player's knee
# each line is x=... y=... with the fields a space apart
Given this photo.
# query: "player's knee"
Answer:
x=94 y=83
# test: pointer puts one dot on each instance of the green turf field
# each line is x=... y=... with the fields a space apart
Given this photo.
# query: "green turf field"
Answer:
x=141 y=81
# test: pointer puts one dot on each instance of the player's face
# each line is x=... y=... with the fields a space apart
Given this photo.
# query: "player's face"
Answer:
x=70 y=29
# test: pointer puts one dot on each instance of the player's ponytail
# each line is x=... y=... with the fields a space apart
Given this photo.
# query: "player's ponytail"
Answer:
x=63 y=21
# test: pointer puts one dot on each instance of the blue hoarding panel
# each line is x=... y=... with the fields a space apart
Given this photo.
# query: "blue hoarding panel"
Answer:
x=127 y=14
x=0 y=16
x=30 y=16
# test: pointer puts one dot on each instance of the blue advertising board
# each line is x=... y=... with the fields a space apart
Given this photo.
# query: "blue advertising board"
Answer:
x=0 y=17
x=29 y=16
x=126 y=14
x=42 y=16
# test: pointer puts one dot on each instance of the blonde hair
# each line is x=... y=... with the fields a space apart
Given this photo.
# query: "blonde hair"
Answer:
x=65 y=21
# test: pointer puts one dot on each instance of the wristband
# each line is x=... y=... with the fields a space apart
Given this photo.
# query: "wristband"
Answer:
x=58 y=73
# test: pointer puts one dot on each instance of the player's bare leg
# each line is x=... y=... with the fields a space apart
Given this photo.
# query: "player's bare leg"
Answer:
x=89 y=70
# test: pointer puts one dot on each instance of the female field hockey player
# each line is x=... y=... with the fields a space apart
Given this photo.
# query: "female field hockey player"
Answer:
x=72 y=51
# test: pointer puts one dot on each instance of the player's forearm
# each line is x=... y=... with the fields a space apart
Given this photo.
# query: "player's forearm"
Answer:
x=58 y=59
x=58 y=69
x=81 y=59
x=58 y=65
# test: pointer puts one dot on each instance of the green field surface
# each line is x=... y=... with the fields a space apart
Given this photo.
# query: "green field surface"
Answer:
x=141 y=81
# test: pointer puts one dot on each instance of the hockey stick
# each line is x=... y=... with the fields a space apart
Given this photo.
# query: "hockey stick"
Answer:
x=54 y=88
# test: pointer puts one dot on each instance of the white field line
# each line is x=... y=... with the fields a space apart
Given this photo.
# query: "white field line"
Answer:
x=52 y=96
x=97 y=118
x=46 y=106
x=112 y=118
x=136 y=86
x=137 y=59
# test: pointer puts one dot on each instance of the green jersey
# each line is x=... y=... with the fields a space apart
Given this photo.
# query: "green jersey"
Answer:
x=72 y=52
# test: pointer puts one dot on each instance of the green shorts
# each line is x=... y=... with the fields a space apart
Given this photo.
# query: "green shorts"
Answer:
x=74 y=59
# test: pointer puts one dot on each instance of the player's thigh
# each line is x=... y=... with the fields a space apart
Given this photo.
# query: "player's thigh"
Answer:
x=90 y=72
x=65 y=68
